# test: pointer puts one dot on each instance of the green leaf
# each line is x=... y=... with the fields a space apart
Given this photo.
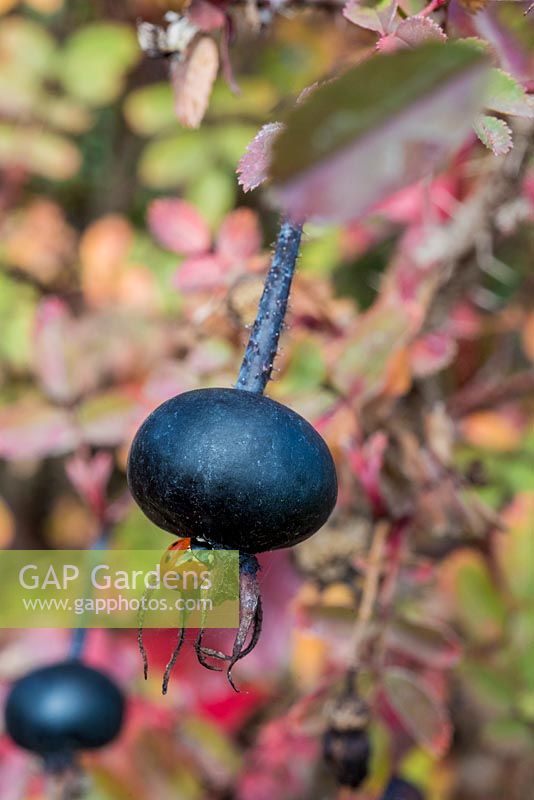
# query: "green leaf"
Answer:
x=479 y=604
x=320 y=252
x=490 y=686
x=506 y=96
x=379 y=127
x=149 y=110
x=95 y=60
x=494 y=133
x=515 y=547
x=229 y=142
x=17 y=310
x=508 y=735
x=306 y=370
x=214 y=192
x=27 y=45
x=256 y=97
x=172 y=161
x=44 y=153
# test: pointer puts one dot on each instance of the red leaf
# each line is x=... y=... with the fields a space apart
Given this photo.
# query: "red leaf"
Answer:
x=254 y=165
x=418 y=709
x=53 y=332
x=178 y=226
x=366 y=463
x=239 y=236
x=34 y=430
x=106 y=419
x=432 y=353
x=192 y=81
x=201 y=273
x=90 y=477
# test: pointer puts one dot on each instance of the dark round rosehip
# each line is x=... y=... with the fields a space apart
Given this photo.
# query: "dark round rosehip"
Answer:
x=232 y=469
x=399 y=789
x=347 y=752
x=59 y=709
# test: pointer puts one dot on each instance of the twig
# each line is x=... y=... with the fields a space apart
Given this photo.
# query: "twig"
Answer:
x=262 y=346
x=491 y=394
x=370 y=590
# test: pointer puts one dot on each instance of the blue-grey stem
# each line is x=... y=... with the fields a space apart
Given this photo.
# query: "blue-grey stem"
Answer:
x=79 y=635
x=262 y=346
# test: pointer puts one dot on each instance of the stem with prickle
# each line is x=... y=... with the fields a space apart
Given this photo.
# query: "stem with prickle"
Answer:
x=262 y=346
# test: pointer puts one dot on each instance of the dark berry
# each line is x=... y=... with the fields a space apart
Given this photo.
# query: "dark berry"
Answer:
x=399 y=789
x=346 y=745
x=347 y=753
x=232 y=469
x=57 y=710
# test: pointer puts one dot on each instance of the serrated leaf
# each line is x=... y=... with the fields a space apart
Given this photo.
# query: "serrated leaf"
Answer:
x=494 y=133
x=253 y=169
x=506 y=96
x=416 y=30
x=419 y=710
x=379 y=127
x=378 y=17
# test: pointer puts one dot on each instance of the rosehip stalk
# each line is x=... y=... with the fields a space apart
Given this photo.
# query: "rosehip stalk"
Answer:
x=262 y=346
x=79 y=635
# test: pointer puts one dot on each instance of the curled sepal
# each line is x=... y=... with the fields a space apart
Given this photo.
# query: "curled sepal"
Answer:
x=250 y=621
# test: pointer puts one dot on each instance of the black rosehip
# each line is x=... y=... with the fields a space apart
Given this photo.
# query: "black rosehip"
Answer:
x=346 y=745
x=347 y=753
x=57 y=710
x=232 y=469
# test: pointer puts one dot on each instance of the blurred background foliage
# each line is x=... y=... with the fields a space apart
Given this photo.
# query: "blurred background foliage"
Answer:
x=106 y=312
